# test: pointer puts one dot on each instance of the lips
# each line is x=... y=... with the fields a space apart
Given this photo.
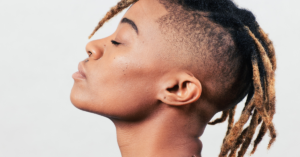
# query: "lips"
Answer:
x=80 y=74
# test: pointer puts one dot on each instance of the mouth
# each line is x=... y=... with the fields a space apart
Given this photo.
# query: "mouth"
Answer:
x=80 y=73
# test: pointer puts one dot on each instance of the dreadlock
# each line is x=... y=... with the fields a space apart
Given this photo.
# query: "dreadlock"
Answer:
x=257 y=50
x=113 y=11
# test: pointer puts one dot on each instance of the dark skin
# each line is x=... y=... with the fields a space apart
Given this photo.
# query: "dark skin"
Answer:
x=155 y=103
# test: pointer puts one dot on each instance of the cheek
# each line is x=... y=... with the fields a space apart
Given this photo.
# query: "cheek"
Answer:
x=120 y=88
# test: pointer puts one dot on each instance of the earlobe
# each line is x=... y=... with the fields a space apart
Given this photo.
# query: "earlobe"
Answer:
x=180 y=89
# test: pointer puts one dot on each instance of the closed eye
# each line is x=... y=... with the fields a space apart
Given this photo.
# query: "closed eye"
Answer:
x=115 y=43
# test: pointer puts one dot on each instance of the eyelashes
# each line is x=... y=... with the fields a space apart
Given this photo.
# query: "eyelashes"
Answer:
x=115 y=43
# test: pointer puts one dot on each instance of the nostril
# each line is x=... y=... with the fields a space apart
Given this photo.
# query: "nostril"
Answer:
x=95 y=49
x=90 y=53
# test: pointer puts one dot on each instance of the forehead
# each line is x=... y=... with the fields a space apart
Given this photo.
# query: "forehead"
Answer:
x=145 y=13
x=153 y=9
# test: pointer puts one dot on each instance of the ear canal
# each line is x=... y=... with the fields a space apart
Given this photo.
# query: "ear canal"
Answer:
x=181 y=91
x=181 y=88
x=173 y=89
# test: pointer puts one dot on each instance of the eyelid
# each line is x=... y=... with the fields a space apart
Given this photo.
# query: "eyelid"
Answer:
x=115 y=42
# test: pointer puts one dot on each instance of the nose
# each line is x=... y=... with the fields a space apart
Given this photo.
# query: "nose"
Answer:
x=95 y=49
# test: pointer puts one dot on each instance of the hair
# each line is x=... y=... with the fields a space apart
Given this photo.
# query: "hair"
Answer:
x=258 y=56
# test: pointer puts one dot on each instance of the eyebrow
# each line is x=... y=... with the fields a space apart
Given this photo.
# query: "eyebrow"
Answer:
x=131 y=23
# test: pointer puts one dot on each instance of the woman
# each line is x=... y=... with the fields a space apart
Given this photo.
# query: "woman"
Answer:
x=170 y=66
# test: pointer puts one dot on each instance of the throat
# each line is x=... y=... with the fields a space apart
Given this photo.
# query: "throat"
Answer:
x=160 y=137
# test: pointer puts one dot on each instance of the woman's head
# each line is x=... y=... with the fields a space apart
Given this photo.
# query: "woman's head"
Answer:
x=127 y=72
x=181 y=53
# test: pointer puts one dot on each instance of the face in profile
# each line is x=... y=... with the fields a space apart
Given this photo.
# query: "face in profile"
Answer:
x=146 y=76
x=121 y=77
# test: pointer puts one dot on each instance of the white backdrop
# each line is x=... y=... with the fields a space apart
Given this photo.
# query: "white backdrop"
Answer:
x=41 y=43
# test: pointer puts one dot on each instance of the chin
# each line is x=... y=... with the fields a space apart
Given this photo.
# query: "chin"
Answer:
x=81 y=101
x=77 y=99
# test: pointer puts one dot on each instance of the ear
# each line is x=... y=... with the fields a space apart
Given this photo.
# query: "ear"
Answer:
x=179 y=88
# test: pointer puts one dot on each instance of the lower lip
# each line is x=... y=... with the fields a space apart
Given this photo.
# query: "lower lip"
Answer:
x=77 y=75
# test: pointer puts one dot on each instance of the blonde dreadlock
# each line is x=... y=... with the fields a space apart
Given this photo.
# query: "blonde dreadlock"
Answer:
x=113 y=11
x=264 y=108
x=221 y=119
x=262 y=102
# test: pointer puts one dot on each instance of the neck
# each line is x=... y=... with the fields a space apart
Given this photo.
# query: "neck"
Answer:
x=169 y=132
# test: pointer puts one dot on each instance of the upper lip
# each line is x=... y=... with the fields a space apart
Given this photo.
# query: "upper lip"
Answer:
x=81 y=69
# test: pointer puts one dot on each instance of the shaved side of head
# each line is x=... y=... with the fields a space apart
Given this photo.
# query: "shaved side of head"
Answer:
x=209 y=51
